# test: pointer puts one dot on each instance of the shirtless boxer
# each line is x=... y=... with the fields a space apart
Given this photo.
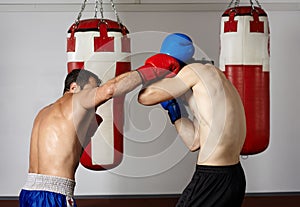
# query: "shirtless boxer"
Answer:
x=60 y=130
x=217 y=130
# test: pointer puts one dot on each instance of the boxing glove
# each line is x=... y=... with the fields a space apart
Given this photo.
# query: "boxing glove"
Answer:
x=175 y=109
x=158 y=66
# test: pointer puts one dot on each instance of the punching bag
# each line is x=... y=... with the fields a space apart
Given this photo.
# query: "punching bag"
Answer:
x=102 y=47
x=244 y=58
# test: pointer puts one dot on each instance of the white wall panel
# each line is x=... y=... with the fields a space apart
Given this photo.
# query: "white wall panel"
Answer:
x=216 y=1
x=33 y=67
x=58 y=1
x=138 y=1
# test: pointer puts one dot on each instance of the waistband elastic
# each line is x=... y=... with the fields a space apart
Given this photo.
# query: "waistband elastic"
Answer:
x=218 y=169
x=54 y=184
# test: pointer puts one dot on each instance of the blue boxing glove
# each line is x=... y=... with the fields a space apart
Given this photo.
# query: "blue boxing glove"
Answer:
x=175 y=109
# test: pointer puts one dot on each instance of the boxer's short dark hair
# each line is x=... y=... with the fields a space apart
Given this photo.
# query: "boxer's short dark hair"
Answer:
x=80 y=77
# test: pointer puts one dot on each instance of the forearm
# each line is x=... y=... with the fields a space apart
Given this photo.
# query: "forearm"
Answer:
x=186 y=130
x=165 y=89
x=125 y=83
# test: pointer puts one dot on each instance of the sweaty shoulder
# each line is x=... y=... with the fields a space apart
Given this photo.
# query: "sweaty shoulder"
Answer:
x=43 y=111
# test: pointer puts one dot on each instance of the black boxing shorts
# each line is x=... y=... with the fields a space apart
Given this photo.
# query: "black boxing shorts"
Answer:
x=215 y=186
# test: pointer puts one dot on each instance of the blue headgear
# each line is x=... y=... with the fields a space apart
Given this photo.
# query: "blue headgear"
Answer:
x=179 y=46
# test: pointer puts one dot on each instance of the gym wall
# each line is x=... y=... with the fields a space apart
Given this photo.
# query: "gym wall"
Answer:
x=33 y=68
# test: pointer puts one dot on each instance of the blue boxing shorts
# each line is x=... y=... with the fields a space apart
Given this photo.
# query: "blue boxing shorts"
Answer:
x=215 y=186
x=47 y=191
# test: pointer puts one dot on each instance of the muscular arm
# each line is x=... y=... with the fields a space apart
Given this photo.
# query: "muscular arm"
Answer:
x=188 y=132
x=155 y=67
x=170 y=88
x=124 y=83
x=117 y=86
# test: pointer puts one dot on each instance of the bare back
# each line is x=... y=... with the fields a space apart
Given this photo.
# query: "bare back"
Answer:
x=55 y=147
x=219 y=114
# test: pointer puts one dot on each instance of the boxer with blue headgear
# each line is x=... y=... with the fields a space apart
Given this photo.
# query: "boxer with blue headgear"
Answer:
x=179 y=46
x=176 y=49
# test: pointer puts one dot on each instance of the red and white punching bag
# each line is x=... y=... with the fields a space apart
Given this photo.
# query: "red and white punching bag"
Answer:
x=244 y=58
x=102 y=47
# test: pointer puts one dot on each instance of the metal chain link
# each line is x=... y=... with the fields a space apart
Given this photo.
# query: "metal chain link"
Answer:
x=258 y=4
x=101 y=9
x=252 y=5
x=80 y=13
x=115 y=11
x=230 y=4
x=96 y=8
x=235 y=2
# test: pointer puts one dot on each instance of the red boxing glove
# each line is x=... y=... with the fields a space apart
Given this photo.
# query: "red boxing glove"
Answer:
x=158 y=66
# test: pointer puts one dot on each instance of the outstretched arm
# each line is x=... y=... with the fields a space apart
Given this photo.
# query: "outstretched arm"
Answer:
x=155 y=67
x=125 y=83
x=119 y=85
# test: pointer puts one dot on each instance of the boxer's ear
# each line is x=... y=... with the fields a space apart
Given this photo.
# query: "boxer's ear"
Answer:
x=74 y=88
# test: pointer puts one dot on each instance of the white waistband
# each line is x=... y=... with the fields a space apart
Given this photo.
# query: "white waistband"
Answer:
x=54 y=184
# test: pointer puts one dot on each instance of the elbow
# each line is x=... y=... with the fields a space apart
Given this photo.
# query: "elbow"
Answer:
x=146 y=97
x=194 y=147
x=105 y=93
x=142 y=99
x=109 y=95
x=110 y=91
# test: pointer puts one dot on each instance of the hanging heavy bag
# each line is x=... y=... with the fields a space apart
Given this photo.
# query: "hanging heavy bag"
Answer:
x=244 y=58
x=102 y=47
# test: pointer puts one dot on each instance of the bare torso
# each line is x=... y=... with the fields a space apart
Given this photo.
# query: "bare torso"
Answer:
x=62 y=129
x=218 y=126
x=219 y=117
x=56 y=143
